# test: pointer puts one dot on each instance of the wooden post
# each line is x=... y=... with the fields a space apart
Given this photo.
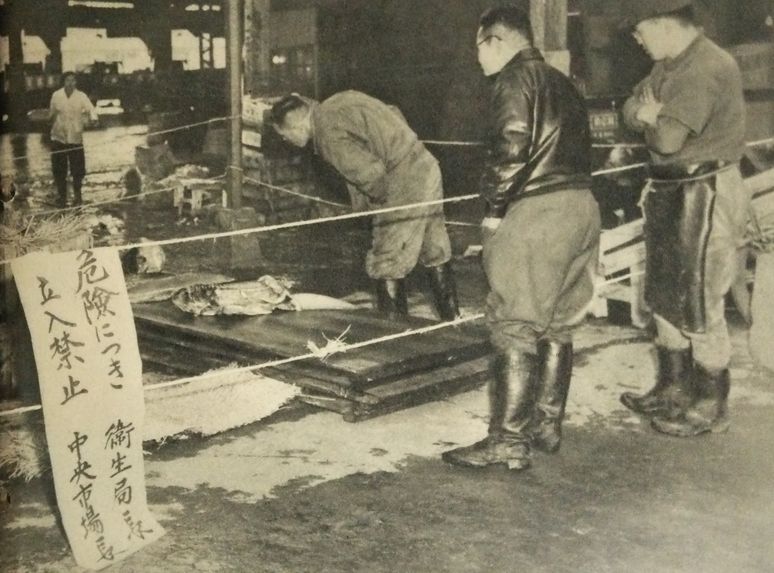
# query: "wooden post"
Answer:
x=258 y=46
x=549 y=24
x=234 y=51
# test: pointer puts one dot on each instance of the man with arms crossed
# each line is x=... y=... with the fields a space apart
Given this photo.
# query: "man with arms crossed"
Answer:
x=691 y=111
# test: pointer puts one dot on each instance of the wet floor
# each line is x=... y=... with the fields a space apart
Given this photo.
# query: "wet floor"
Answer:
x=305 y=491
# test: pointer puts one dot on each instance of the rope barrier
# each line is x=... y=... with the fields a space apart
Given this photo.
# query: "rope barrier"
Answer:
x=619 y=169
x=342 y=347
x=296 y=193
x=445 y=143
x=294 y=224
x=760 y=142
x=623 y=145
x=111 y=201
x=127 y=135
x=346 y=216
x=265 y=228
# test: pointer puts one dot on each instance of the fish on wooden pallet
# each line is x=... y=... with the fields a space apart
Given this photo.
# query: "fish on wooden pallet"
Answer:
x=250 y=298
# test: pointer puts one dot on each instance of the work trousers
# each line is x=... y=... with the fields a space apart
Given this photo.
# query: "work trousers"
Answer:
x=403 y=238
x=66 y=155
x=712 y=348
x=541 y=263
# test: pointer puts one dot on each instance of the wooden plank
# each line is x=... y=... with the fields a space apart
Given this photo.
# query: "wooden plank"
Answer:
x=760 y=183
x=183 y=349
x=286 y=334
x=612 y=238
x=338 y=405
x=168 y=359
x=418 y=382
x=435 y=385
x=624 y=258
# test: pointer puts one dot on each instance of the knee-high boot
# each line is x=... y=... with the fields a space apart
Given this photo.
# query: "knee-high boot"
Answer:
x=707 y=413
x=444 y=291
x=391 y=297
x=554 y=374
x=511 y=404
x=673 y=390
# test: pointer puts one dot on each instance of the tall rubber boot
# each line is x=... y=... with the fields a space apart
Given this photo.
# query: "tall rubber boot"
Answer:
x=554 y=374
x=444 y=291
x=391 y=297
x=511 y=405
x=707 y=413
x=673 y=390
x=77 y=186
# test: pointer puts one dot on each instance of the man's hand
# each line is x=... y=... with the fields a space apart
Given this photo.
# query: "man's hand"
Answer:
x=488 y=228
x=491 y=223
x=649 y=108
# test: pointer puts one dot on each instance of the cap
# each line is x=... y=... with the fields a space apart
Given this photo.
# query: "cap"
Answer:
x=639 y=10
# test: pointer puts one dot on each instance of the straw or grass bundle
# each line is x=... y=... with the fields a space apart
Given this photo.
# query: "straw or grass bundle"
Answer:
x=20 y=236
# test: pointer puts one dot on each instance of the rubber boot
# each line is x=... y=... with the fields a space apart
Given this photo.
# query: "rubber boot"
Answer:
x=391 y=297
x=672 y=392
x=77 y=186
x=511 y=404
x=61 y=191
x=707 y=413
x=444 y=291
x=554 y=365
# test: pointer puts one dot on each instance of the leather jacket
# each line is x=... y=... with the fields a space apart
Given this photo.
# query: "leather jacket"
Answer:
x=540 y=137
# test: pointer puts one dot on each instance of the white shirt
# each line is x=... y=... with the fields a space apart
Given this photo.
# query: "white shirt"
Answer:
x=70 y=115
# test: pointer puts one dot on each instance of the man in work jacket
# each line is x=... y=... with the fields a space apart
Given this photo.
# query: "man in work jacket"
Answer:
x=541 y=241
x=691 y=111
x=385 y=165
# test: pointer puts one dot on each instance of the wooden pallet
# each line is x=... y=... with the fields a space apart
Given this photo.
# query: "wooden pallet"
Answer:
x=359 y=384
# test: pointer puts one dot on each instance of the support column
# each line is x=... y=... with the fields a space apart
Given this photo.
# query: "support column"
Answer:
x=257 y=46
x=549 y=24
x=15 y=70
x=234 y=64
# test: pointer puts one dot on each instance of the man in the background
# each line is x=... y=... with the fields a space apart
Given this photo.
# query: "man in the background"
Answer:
x=70 y=111
x=541 y=241
x=385 y=165
x=691 y=111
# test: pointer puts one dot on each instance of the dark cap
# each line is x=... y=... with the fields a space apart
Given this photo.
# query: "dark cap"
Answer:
x=639 y=10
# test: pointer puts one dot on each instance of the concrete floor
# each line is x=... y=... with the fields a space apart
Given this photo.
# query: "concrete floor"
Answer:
x=305 y=491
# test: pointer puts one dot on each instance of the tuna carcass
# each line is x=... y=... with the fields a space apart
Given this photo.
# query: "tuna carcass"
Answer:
x=250 y=298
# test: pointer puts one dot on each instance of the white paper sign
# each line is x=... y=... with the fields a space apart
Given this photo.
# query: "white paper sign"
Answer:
x=90 y=373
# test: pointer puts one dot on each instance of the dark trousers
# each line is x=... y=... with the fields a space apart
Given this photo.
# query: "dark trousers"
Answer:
x=62 y=156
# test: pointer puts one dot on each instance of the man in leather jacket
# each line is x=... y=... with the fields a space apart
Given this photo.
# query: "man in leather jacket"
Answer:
x=541 y=241
x=691 y=111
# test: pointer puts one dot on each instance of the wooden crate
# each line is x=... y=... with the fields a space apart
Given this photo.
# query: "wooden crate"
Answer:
x=622 y=267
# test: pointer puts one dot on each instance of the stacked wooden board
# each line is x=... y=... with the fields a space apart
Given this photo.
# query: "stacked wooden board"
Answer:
x=359 y=383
